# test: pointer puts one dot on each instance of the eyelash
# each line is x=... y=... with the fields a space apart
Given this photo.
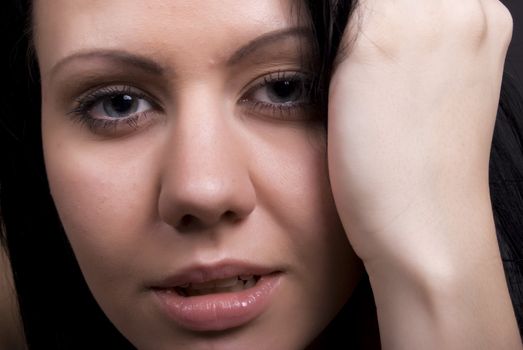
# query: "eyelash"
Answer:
x=286 y=111
x=84 y=105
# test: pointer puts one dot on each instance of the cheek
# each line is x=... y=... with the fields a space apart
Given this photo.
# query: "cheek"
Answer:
x=291 y=177
x=293 y=186
x=103 y=202
x=107 y=195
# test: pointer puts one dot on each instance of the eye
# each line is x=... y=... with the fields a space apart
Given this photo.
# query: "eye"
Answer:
x=281 y=91
x=119 y=106
x=115 y=108
x=283 y=95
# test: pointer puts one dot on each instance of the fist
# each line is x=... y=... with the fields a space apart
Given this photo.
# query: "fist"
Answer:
x=412 y=107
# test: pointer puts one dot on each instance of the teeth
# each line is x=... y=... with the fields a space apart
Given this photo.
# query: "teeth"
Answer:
x=223 y=283
x=250 y=283
x=226 y=285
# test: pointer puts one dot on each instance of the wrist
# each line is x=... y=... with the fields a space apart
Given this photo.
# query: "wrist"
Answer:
x=451 y=304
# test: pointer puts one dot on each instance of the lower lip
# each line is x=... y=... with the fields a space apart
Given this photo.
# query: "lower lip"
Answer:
x=221 y=311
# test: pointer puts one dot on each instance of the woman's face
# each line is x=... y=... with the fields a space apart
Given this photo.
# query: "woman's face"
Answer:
x=189 y=169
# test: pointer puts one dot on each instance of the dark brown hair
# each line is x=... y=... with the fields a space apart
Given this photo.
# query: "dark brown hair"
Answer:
x=57 y=309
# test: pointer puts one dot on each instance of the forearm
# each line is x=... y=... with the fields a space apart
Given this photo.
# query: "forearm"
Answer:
x=452 y=297
x=412 y=108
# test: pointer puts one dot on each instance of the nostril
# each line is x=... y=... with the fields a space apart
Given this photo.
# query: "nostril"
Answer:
x=192 y=222
x=187 y=220
x=229 y=215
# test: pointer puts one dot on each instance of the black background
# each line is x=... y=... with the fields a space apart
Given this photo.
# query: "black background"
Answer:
x=514 y=63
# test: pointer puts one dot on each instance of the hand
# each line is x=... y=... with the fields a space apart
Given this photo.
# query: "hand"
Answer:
x=412 y=108
x=411 y=116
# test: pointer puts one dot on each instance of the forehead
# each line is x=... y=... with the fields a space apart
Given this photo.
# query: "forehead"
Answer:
x=157 y=27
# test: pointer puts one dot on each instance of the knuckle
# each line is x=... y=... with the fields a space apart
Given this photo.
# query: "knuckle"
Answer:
x=481 y=21
x=469 y=19
x=502 y=21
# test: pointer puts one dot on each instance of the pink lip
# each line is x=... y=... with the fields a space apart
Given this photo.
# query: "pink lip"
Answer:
x=220 y=311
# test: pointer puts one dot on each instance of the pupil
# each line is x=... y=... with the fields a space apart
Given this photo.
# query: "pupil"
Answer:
x=121 y=103
x=285 y=89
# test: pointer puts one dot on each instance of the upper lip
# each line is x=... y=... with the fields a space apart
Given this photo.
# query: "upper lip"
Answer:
x=200 y=273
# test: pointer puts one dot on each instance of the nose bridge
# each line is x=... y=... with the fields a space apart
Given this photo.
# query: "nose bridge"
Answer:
x=201 y=140
x=205 y=178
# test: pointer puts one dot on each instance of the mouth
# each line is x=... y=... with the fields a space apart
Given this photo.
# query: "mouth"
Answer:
x=218 y=297
x=224 y=285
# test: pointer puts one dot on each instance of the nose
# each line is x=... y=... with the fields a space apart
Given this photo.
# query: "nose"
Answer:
x=205 y=179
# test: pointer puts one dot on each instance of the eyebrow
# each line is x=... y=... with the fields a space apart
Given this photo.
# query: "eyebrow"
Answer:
x=266 y=39
x=115 y=56
x=147 y=65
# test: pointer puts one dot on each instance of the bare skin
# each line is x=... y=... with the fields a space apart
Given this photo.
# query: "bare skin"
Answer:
x=198 y=177
x=408 y=161
x=11 y=335
x=215 y=167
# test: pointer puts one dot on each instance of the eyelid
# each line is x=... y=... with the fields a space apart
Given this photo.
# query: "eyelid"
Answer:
x=87 y=101
x=266 y=78
x=89 y=98
x=293 y=111
x=272 y=77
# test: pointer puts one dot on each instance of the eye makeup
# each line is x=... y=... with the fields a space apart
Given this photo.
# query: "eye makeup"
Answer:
x=284 y=95
x=115 y=109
